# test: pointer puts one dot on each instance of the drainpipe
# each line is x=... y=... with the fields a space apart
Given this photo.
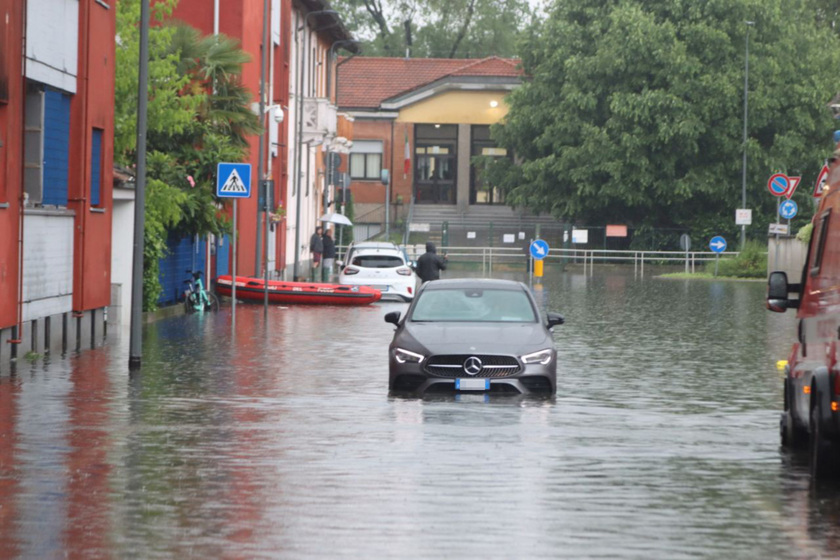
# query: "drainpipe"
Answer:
x=215 y=17
x=18 y=329
x=343 y=44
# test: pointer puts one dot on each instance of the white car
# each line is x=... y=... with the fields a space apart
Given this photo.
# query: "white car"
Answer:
x=382 y=268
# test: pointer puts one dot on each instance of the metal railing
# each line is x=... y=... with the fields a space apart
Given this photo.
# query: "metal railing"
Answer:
x=494 y=256
x=490 y=256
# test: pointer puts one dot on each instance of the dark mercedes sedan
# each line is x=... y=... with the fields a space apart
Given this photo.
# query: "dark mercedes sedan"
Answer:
x=473 y=335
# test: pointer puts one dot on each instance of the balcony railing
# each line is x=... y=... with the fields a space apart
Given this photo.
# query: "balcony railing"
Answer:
x=320 y=119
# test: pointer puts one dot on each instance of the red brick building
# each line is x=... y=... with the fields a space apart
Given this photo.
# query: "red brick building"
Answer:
x=291 y=22
x=56 y=154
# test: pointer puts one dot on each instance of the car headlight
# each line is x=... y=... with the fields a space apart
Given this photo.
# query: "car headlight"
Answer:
x=542 y=357
x=404 y=356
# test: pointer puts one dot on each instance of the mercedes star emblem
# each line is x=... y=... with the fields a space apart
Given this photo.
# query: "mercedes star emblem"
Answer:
x=472 y=365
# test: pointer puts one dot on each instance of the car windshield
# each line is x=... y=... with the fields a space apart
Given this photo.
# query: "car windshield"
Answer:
x=474 y=305
x=377 y=261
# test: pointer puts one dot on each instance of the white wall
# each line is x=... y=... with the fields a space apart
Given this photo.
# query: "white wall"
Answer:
x=122 y=253
x=47 y=263
x=52 y=42
x=309 y=203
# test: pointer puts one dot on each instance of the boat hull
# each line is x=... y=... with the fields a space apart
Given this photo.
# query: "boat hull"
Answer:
x=307 y=293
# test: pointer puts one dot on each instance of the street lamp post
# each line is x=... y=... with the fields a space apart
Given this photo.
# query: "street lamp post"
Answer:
x=136 y=333
x=744 y=147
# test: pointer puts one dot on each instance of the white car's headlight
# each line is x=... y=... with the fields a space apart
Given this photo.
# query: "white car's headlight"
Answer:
x=542 y=357
x=404 y=356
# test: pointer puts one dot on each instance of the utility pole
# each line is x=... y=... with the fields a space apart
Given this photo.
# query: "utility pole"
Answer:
x=262 y=184
x=746 y=105
x=136 y=336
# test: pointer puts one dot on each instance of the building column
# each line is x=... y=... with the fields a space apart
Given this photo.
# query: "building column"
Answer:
x=462 y=191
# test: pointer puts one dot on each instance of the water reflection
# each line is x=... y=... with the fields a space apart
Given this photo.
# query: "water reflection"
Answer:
x=279 y=440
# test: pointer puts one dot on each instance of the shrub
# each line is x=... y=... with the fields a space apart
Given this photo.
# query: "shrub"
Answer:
x=751 y=262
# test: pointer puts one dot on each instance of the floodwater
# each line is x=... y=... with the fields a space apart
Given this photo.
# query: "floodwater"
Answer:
x=279 y=440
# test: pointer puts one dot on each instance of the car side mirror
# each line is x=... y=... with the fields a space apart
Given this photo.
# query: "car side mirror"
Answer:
x=340 y=264
x=555 y=319
x=777 y=293
x=393 y=317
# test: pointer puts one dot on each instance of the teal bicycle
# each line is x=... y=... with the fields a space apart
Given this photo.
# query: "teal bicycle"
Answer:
x=196 y=298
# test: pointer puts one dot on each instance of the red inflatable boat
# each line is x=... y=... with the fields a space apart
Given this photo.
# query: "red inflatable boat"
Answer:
x=297 y=292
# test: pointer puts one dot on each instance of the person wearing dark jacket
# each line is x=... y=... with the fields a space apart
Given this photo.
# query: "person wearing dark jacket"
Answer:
x=329 y=255
x=316 y=247
x=430 y=264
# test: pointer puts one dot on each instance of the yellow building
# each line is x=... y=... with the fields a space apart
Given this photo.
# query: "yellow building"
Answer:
x=424 y=120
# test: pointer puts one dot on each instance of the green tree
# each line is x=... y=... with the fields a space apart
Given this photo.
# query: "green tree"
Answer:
x=634 y=110
x=199 y=114
x=437 y=28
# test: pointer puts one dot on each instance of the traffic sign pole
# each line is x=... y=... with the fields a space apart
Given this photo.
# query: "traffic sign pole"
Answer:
x=233 y=180
x=718 y=245
x=234 y=242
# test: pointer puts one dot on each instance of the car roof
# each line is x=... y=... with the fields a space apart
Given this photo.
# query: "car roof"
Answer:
x=362 y=251
x=478 y=283
x=374 y=245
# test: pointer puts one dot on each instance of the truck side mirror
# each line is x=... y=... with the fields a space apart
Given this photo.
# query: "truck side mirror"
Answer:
x=777 y=293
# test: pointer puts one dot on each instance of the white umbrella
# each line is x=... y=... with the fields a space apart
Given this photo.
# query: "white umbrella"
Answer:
x=336 y=218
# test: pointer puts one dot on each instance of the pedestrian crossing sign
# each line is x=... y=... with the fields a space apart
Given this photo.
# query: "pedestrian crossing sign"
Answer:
x=233 y=180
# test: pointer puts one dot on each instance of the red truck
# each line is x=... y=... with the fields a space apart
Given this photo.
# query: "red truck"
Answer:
x=812 y=377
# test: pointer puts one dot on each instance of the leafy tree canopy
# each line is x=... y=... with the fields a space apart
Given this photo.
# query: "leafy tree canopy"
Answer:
x=436 y=28
x=198 y=114
x=634 y=110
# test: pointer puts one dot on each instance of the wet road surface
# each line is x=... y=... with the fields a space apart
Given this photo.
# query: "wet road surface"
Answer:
x=279 y=440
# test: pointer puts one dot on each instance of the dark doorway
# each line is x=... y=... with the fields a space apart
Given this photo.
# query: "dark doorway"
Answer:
x=435 y=163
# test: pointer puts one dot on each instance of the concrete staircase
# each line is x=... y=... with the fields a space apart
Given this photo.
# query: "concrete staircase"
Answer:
x=479 y=216
x=481 y=225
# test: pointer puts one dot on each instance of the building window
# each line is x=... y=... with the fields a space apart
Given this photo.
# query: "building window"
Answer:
x=96 y=167
x=46 y=146
x=366 y=160
x=483 y=151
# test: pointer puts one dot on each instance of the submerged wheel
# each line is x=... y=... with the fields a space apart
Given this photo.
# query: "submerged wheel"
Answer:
x=819 y=452
x=791 y=435
x=212 y=302
x=188 y=306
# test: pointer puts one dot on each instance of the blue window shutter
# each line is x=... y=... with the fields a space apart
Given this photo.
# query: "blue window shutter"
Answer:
x=56 y=147
x=96 y=167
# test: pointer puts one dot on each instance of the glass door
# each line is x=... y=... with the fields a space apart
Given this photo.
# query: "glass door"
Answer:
x=435 y=164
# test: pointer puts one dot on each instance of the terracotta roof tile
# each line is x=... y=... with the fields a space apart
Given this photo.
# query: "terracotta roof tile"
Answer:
x=365 y=82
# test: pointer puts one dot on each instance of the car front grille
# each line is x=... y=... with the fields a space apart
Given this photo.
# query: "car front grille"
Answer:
x=452 y=365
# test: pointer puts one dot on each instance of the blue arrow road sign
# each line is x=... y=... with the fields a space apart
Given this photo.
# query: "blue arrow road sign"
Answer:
x=788 y=209
x=717 y=244
x=233 y=180
x=539 y=249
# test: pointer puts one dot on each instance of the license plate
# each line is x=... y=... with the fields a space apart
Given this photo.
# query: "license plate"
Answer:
x=380 y=288
x=472 y=397
x=472 y=384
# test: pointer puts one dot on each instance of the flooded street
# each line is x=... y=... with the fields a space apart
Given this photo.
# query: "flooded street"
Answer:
x=280 y=440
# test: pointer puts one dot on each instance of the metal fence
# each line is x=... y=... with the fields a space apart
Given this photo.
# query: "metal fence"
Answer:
x=490 y=257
